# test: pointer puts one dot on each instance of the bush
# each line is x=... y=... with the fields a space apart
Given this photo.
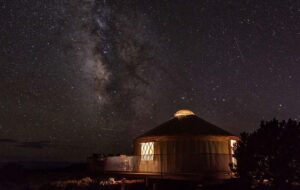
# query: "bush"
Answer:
x=271 y=154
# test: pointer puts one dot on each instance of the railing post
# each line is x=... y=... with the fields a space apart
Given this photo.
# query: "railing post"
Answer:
x=154 y=186
x=123 y=185
x=146 y=181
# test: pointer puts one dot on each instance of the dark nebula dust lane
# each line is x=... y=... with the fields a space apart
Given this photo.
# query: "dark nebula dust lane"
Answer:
x=78 y=77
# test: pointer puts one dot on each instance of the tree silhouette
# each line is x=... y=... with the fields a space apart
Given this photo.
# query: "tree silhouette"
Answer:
x=270 y=154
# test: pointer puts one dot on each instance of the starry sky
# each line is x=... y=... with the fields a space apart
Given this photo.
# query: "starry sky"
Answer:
x=85 y=76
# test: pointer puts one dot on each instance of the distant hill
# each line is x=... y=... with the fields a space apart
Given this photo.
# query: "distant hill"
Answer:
x=45 y=165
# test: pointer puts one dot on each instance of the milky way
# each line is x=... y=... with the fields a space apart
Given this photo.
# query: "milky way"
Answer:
x=87 y=76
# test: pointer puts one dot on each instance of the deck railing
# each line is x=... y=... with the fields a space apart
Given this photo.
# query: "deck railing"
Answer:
x=191 y=163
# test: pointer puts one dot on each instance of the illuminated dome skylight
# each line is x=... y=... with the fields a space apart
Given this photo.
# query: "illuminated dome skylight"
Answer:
x=183 y=113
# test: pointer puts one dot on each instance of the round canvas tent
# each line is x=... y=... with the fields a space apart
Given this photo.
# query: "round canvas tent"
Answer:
x=186 y=144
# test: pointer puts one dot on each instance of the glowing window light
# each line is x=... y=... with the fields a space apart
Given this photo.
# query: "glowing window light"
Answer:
x=232 y=149
x=147 y=151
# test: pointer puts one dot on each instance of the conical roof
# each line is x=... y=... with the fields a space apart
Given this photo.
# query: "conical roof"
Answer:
x=185 y=122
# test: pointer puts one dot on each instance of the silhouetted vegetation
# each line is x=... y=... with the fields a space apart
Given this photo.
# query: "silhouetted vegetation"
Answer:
x=270 y=156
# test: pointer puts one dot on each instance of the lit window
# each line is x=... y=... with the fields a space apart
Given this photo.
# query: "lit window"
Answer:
x=232 y=149
x=147 y=150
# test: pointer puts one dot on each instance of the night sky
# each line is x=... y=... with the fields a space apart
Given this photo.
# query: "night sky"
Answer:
x=85 y=76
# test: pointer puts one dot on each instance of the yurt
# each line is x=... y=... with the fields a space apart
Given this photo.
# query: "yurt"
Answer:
x=186 y=145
